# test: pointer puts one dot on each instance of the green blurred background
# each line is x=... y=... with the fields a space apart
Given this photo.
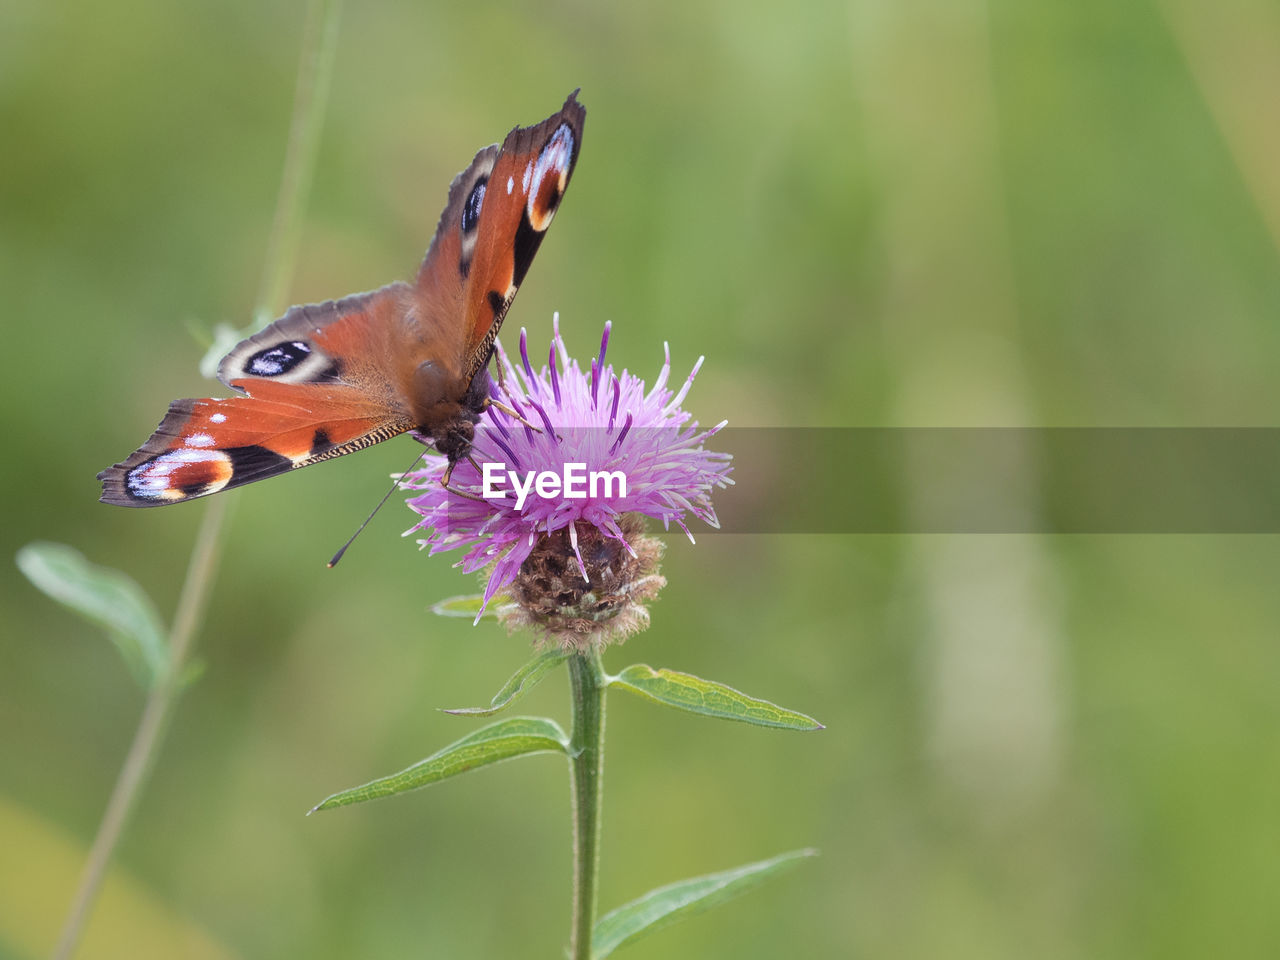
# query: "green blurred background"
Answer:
x=863 y=213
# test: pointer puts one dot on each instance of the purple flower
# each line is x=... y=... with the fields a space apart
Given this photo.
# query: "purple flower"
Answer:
x=606 y=448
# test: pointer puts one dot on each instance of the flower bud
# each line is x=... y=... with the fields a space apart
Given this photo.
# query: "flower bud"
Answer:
x=591 y=596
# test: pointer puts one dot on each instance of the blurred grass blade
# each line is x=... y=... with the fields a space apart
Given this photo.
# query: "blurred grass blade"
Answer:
x=708 y=698
x=524 y=680
x=498 y=741
x=218 y=343
x=106 y=597
x=467 y=606
x=664 y=906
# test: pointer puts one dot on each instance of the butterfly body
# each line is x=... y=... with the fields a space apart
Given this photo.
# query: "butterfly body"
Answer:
x=331 y=378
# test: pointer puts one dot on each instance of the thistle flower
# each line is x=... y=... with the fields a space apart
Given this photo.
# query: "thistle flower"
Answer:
x=572 y=558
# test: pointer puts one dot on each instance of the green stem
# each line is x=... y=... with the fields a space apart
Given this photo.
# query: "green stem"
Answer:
x=311 y=94
x=151 y=727
x=586 y=744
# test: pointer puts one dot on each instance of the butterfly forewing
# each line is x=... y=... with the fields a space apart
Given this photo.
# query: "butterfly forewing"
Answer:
x=204 y=446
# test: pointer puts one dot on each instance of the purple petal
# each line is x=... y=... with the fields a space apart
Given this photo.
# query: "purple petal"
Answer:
x=555 y=379
x=661 y=382
x=604 y=342
x=684 y=391
x=524 y=354
x=496 y=416
x=546 y=421
x=613 y=412
x=511 y=457
x=622 y=436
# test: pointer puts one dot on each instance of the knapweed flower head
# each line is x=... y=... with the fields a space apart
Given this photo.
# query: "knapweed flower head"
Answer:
x=555 y=511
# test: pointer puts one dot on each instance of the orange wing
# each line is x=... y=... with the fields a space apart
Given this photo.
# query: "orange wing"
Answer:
x=331 y=378
x=318 y=383
x=499 y=209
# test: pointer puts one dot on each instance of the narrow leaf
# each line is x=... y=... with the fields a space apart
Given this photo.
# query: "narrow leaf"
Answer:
x=498 y=741
x=524 y=680
x=708 y=698
x=664 y=906
x=106 y=597
x=468 y=607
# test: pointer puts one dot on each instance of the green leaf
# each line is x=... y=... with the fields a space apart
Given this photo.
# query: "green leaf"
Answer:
x=498 y=741
x=106 y=597
x=664 y=906
x=708 y=698
x=524 y=680
x=468 y=606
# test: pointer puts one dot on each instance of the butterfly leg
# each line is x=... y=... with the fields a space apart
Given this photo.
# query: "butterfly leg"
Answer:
x=458 y=491
x=510 y=412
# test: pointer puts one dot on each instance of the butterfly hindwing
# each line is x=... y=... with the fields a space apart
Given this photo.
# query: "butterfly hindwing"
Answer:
x=354 y=342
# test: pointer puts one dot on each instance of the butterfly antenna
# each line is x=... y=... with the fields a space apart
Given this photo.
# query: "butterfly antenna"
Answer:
x=395 y=485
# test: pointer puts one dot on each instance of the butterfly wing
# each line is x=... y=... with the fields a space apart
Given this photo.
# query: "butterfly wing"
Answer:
x=317 y=383
x=499 y=209
x=327 y=379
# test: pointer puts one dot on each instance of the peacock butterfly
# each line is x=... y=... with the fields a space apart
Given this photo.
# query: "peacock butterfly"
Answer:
x=331 y=378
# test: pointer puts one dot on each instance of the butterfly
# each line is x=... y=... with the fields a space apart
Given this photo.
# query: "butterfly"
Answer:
x=332 y=378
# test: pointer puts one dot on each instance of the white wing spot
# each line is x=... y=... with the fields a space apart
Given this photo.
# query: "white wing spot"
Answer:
x=511 y=185
x=553 y=160
x=201 y=439
x=150 y=480
x=218 y=418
